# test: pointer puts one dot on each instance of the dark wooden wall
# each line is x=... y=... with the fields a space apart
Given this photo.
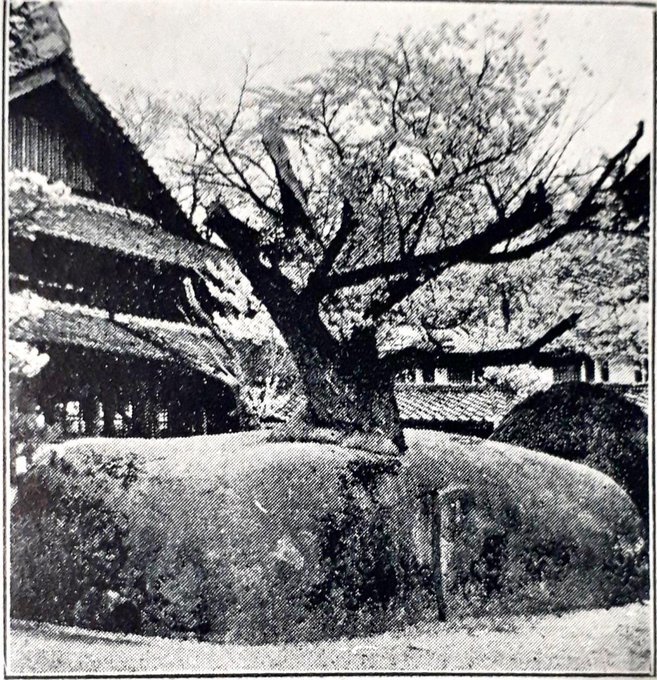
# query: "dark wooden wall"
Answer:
x=36 y=145
x=48 y=134
x=78 y=273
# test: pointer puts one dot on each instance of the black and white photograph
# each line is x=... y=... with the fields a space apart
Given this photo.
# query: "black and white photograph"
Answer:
x=328 y=338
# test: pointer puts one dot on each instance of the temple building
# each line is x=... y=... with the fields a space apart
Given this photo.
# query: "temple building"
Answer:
x=98 y=249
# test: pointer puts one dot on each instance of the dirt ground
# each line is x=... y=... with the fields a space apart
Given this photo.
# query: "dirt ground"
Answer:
x=599 y=641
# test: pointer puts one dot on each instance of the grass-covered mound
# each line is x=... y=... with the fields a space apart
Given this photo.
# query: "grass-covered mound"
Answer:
x=590 y=424
x=234 y=538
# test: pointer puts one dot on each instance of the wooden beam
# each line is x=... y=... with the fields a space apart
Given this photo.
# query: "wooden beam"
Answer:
x=25 y=84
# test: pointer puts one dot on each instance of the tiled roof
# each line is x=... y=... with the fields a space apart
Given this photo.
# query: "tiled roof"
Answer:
x=73 y=218
x=37 y=36
x=430 y=405
x=452 y=403
x=638 y=394
x=54 y=323
x=19 y=66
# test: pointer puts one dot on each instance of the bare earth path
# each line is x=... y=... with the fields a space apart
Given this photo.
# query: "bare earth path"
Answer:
x=600 y=641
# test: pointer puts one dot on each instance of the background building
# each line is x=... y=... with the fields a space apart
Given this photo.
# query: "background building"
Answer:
x=97 y=252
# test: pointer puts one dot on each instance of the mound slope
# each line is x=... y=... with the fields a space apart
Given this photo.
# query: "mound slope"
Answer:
x=590 y=424
x=233 y=537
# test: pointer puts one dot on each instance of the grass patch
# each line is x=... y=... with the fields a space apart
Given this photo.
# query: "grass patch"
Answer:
x=234 y=537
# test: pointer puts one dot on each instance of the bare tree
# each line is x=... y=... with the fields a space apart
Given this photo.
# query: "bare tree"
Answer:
x=347 y=193
x=146 y=117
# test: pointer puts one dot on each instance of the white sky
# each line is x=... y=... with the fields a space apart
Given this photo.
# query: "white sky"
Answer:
x=196 y=46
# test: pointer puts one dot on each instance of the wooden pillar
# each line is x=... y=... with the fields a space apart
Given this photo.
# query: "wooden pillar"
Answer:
x=110 y=403
x=587 y=370
x=601 y=370
x=150 y=414
x=91 y=414
x=144 y=413
x=138 y=411
x=175 y=420
x=48 y=405
x=186 y=409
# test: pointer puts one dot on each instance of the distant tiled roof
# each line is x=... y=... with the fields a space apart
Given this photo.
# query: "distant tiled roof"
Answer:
x=53 y=323
x=637 y=394
x=73 y=218
x=451 y=403
x=433 y=405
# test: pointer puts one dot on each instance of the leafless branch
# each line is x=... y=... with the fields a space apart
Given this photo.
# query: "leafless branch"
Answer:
x=410 y=356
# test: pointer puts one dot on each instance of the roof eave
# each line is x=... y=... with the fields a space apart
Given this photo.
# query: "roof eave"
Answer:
x=62 y=69
x=32 y=79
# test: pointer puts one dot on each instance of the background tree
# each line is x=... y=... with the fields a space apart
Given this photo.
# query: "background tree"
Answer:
x=342 y=196
x=27 y=429
x=147 y=117
x=249 y=354
x=602 y=276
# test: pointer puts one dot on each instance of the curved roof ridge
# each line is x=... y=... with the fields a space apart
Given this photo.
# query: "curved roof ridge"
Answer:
x=37 y=36
x=68 y=63
x=39 y=40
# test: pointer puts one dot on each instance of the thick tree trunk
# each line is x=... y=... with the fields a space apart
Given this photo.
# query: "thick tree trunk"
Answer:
x=349 y=393
x=349 y=389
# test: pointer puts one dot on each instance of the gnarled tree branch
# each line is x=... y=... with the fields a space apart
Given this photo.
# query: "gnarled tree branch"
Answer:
x=268 y=283
x=479 y=248
x=579 y=219
x=293 y=201
x=533 y=210
x=348 y=225
x=411 y=356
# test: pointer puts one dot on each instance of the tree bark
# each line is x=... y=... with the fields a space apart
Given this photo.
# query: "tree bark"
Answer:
x=348 y=392
x=347 y=387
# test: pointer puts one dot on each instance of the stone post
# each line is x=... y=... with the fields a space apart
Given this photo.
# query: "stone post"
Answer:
x=436 y=529
x=426 y=535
